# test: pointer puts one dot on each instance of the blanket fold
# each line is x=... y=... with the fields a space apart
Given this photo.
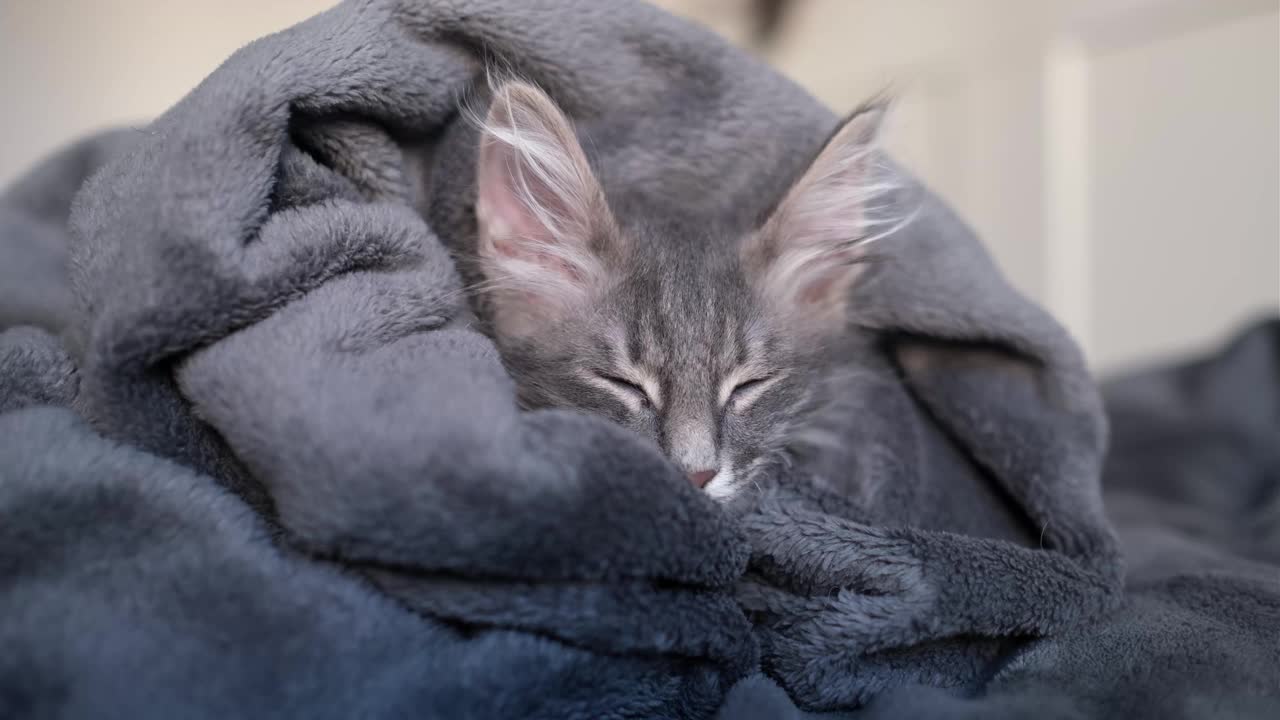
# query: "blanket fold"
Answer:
x=319 y=498
x=34 y=286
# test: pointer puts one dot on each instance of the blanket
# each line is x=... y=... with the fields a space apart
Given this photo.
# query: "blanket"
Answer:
x=260 y=461
x=1192 y=483
x=34 y=287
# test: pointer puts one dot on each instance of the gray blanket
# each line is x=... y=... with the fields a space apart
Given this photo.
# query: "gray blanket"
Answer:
x=260 y=463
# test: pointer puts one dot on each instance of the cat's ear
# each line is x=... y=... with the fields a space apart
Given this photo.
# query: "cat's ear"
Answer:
x=806 y=257
x=541 y=213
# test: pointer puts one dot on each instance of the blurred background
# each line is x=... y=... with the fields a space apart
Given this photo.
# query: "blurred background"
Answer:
x=1121 y=158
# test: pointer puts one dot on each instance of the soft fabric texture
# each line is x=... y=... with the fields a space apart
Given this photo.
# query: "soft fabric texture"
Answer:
x=34 y=287
x=270 y=467
x=1192 y=482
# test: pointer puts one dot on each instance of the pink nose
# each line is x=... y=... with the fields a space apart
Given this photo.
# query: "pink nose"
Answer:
x=701 y=478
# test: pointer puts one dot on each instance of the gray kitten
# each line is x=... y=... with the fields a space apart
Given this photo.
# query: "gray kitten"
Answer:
x=710 y=344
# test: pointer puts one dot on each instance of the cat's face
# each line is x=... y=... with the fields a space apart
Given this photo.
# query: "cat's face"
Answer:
x=679 y=349
x=705 y=343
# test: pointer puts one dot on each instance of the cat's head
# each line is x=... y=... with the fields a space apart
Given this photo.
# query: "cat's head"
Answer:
x=708 y=344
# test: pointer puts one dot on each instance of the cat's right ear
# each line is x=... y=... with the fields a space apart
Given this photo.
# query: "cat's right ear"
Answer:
x=541 y=212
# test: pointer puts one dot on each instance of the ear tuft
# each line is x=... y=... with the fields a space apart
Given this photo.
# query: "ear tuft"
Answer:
x=540 y=211
x=807 y=256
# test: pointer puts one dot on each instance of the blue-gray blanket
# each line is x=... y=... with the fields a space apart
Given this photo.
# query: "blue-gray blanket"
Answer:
x=256 y=462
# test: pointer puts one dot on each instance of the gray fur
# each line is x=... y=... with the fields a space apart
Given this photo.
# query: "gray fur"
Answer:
x=714 y=343
x=683 y=313
x=302 y=484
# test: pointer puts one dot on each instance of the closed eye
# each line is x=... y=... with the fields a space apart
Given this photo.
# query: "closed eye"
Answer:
x=626 y=386
x=747 y=386
x=749 y=389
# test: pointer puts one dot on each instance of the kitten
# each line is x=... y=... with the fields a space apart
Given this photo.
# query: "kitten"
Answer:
x=707 y=343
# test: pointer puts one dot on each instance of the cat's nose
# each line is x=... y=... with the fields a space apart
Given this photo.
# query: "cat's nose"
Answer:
x=701 y=478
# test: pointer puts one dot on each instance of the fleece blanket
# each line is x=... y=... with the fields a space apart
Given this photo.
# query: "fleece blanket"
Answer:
x=258 y=461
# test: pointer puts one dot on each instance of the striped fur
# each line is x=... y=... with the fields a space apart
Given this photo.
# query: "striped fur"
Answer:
x=710 y=344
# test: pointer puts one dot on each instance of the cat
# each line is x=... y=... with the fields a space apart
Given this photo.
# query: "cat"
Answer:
x=736 y=351
x=706 y=342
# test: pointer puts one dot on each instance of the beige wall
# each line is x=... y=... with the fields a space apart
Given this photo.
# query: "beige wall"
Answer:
x=71 y=66
x=1185 y=189
x=1119 y=157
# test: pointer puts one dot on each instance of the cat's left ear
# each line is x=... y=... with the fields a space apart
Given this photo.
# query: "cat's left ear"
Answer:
x=806 y=257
